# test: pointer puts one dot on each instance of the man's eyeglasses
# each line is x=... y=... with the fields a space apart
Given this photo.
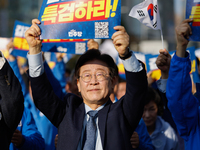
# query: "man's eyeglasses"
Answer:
x=100 y=76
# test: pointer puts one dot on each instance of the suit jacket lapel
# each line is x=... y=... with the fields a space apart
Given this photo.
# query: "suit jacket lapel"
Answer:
x=102 y=116
x=78 y=123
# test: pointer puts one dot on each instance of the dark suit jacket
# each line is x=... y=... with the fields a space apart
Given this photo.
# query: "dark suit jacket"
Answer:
x=11 y=105
x=116 y=121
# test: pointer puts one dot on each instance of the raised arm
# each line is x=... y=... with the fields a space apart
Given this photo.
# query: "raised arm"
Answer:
x=163 y=63
x=136 y=87
x=181 y=102
x=44 y=97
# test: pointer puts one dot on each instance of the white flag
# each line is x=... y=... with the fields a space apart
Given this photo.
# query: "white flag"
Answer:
x=147 y=13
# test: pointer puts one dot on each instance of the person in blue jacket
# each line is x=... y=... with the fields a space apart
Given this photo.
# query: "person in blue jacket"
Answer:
x=27 y=136
x=144 y=138
x=183 y=105
x=163 y=63
x=161 y=133
x=45 y=127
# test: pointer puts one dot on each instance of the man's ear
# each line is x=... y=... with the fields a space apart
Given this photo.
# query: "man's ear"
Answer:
x=113 y=82
x=78 y=85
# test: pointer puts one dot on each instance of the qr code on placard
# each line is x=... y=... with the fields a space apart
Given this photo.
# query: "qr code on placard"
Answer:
x=101 y=30
x=80 y=48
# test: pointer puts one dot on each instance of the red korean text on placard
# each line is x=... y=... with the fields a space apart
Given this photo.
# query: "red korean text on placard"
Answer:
x=78 y=11
x=195 y=15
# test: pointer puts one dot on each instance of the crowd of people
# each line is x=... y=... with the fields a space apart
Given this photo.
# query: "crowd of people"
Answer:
x=96 y=109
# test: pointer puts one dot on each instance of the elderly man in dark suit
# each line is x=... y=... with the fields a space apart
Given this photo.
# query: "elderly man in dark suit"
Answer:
x=11 y=103
x=93 y=121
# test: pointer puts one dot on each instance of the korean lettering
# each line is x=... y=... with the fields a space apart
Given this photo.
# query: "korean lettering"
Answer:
x=76 y=11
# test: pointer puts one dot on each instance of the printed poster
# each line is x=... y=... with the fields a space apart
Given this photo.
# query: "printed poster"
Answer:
x=192 y=11
x=19 y=41
x=71 y=46
x=79 y=19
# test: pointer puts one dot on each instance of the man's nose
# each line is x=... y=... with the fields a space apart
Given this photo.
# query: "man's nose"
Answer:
x=93 y=79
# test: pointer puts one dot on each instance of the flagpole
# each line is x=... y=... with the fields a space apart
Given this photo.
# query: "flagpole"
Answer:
x=162 y=38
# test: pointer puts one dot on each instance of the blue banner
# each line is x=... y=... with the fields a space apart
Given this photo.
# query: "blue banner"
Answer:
x=70 y=46
x=192 y=11
x=79 y=19
x=20 y=44
x=194 y=69
x=151 y=64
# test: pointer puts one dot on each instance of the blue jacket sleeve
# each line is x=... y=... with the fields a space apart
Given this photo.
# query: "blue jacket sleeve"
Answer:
x=33 y=138
x=144 y=138
x=181 y=102
x=59 y=73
